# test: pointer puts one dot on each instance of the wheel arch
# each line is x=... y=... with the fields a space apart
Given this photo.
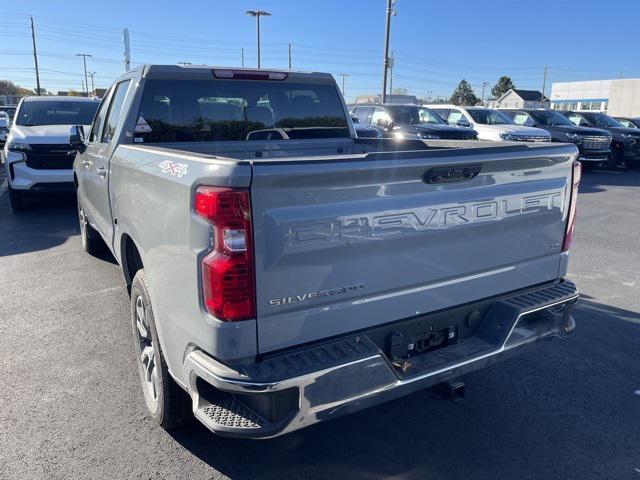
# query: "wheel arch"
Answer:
x=130 y=259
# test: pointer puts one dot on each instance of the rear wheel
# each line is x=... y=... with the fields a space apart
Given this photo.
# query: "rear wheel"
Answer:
x=92 y=243
x=167 y=403
x=16 y=199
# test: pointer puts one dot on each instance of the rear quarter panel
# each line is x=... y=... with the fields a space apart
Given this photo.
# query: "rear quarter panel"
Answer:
x=152 y=204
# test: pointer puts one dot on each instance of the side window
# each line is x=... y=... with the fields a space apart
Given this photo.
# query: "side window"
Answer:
x=454 y=116
x=522 y=118
x=443 y=113
x=578 y=120
x=114 y=111
x=364 y=115
x=98 y=121
x=379 y=114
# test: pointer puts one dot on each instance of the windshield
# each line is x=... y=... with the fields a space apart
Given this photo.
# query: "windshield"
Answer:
x=547 y=117
x=56 y=113
x=489 y=117
x=232 y=110
x=603 y=121
x=410 y=115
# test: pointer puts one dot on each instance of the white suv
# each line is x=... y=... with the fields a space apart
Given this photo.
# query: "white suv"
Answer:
x=490 y=124
x=38 y=155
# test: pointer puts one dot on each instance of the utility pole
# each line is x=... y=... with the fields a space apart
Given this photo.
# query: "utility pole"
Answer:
x=484 y=85
x=35 y=57
x=258 y=14
x=385 y=64
x=343 y=75
x=84 y=60
x=93 y=87
x=242 y=57
x=289 y=56
x=83 y=88
x=391 y=64
x=127 y=50
x=544 y=85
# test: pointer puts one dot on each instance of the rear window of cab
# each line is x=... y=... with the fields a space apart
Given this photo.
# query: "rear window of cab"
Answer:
x=222 y=110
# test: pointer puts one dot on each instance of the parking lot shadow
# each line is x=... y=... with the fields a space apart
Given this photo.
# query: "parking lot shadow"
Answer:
x=598 y=180
x=46 y=222
x=539 y=415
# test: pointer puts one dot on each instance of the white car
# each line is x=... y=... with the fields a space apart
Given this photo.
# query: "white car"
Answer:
x=490 y=124
x=38 y=155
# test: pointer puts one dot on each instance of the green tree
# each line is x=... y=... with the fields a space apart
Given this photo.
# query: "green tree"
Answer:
x=463 y=94
x=503 y=85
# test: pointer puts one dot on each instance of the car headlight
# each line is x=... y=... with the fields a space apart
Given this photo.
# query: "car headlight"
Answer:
x=574 y=137
x=18 y=147
x=629 y=137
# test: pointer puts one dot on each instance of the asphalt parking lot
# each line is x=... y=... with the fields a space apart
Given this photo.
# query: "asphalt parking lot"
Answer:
x=71 y=405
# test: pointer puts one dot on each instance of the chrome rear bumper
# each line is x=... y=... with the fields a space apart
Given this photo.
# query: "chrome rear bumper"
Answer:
x=324 y=382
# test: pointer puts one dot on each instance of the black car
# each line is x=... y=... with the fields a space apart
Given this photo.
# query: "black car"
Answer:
x=626 y=141
x=594 y=144
x=409 y=121
x=629 y=122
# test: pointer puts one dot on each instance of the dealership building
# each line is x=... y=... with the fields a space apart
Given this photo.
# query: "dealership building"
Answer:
x=619 y=97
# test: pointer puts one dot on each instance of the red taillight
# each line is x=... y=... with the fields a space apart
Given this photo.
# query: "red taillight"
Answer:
x=571 y=220
x=227 y=271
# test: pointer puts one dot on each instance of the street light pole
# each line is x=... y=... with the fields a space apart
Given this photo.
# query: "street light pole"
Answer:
x=343 y=75
x=258 y=14
x=84 y=60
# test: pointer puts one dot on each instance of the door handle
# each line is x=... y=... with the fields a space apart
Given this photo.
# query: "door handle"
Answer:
x=102 y=172
x=86 y=163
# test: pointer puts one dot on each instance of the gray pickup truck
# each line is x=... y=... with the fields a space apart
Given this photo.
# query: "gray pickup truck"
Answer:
x=284 y=272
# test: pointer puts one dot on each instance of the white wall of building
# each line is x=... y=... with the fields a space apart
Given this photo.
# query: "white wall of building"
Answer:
x=620 y=97
x=624 y=100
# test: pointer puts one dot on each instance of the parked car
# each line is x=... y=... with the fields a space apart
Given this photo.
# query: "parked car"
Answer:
x=626 y=141
x=38 y=157
x=4 y=130
x=490 y=124
x=633 y=122
x=9 y=110
x=408 y=121
x=594 y=144
x=279 y=283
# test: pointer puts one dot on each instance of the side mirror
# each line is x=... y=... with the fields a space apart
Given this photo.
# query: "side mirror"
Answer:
x=463 y=122
x=76 y=138
x=355 y=119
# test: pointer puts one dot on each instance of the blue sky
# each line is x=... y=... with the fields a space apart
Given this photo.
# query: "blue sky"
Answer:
x=435 y=42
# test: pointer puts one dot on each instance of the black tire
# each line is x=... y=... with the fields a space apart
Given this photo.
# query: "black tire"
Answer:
x=613 y=160
x=92 y=242
x=16 y=199
x=167 y=403
x=634 y=164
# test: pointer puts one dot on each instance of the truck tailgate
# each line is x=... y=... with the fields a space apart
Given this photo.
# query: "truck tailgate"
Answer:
x=344 y=244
